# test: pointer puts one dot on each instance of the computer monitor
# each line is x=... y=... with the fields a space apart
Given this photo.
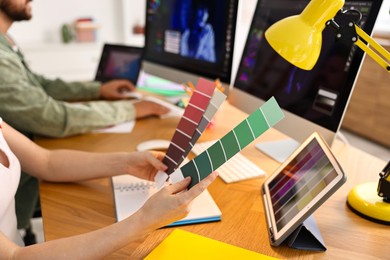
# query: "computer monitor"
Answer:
x=314 y=100
x=186 y=39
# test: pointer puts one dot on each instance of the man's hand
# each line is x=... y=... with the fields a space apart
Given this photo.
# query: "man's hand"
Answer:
x=116 y=89
x=145 y=108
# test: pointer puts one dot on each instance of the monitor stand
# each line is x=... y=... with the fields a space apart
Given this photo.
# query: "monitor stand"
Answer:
x=278 y=150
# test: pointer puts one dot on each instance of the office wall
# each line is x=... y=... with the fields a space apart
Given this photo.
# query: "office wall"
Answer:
x=116 y=17
x=133 y=14
x=369 y=107
x=41 y=35
x=40 y=38
x=383 y=23
x=49 y=15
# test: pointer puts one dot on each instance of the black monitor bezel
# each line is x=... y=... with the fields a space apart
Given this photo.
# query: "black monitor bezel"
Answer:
x=182 y=65
x=352 y=76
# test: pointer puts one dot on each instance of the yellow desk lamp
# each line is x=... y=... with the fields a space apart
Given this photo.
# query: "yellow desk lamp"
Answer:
x=365 y=200
x=298 y=39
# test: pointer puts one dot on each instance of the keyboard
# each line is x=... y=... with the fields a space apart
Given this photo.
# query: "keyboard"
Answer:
x=238 y=168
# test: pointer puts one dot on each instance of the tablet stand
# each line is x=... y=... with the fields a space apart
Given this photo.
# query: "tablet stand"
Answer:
x=278 y=150
x=307 y=236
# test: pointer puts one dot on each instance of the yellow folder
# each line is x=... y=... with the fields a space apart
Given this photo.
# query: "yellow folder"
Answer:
x=181 y=244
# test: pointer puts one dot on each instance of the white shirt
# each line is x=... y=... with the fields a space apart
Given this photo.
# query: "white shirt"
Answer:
x=9 y=181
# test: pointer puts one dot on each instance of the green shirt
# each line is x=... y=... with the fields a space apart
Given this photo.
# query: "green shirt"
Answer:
x=34 y=104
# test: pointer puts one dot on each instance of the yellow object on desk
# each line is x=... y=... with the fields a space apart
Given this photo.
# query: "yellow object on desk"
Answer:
x=363 y=199
x=181 y=244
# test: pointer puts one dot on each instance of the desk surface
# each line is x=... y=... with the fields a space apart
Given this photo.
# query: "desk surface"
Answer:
x=75 y=208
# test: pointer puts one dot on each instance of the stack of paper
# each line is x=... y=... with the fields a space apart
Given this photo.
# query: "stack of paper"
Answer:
x=185 y=245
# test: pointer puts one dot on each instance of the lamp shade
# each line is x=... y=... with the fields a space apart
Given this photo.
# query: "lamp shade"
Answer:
x=298 y=39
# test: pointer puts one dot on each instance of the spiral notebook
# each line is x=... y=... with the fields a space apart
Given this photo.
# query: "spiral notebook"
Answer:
x=131 y=193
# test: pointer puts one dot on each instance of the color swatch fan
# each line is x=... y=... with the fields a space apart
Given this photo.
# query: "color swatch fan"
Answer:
x=202 y=106
x=232 y=143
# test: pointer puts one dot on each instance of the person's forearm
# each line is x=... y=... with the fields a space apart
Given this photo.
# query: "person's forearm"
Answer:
x=64 y=165
x=30 y=110
x=70 y=166
x=70 y=91
x=92 y=245
x=60 y=119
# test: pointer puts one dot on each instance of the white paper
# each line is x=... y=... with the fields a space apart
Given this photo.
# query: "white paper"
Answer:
x=160 y=179
x=131 y=193
x=125 y=127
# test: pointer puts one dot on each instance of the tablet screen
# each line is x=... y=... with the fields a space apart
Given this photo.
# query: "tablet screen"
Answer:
x=119 y=62
x=302 y=183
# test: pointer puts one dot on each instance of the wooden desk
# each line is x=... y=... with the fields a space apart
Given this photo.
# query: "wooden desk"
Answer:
x=70 y=209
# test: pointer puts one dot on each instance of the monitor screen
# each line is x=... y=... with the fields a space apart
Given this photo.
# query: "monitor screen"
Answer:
x=194 y=36
x=119 y=62
x=320 y=95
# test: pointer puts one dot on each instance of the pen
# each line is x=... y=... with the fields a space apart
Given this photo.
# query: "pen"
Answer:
x=219 y=85
x=188 y=89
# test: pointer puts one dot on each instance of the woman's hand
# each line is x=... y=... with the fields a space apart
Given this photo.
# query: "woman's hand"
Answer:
x=171 y=203
x=145 y=165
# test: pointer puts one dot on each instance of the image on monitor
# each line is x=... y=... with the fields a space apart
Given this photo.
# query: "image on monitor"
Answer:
x=319 y=95
x=195 y=36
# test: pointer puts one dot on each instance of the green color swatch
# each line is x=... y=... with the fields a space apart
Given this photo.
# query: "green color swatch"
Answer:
x=243 y=134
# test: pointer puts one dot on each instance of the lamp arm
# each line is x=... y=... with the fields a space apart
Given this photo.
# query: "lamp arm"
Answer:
x=384 y=183
x=351 y=32
x=381 y=56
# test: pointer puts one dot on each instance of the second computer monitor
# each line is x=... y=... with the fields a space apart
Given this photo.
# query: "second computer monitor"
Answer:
x=313 y=100
x=186 y=39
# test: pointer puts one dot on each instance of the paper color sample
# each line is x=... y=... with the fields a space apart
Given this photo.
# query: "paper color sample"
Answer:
x=233 y=142
x=188 y=124
x=216 y=101
x=182 y=244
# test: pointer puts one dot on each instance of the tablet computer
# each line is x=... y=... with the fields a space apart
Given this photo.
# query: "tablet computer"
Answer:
x=119 y=62
x=299 y=186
